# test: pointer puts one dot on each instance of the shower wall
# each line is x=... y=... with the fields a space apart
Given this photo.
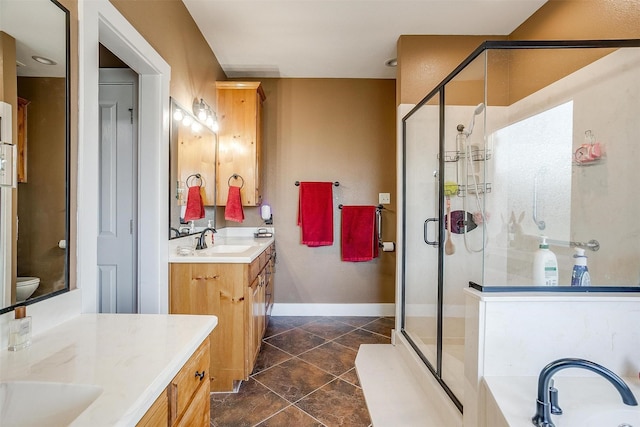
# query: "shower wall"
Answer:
x=577 y=202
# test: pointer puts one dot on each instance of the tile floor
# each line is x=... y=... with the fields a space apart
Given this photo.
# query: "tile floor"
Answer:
x=305 y=375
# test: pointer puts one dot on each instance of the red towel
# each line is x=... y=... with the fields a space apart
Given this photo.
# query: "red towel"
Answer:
x=195 y=208
x=233 y=211
x=315 y=213
x=359 y=236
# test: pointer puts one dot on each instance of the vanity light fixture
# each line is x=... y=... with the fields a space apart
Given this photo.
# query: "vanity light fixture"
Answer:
x=178 y=115
x=203 y=112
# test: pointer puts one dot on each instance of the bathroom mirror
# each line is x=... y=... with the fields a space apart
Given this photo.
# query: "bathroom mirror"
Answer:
x=192 y=160
x=37 y=242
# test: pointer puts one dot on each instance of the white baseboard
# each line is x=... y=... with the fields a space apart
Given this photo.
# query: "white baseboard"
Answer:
x=284 y=309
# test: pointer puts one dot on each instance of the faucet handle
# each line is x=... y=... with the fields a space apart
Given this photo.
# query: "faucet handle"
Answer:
x=553 y=400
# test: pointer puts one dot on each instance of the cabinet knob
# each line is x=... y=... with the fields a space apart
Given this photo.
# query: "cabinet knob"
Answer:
x=200 y=375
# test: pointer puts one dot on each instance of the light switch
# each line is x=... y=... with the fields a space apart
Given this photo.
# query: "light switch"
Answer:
x=384 y=198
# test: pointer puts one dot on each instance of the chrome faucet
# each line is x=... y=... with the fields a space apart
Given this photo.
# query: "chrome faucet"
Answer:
x=201 y=243
x=542 y=418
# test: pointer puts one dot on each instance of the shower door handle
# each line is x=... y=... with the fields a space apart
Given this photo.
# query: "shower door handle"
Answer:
x=426 y=238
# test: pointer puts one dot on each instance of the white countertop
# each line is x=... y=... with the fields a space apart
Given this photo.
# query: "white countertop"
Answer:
x=232 y=238
x=133 y=357
x=586 y=401
x=553 y=296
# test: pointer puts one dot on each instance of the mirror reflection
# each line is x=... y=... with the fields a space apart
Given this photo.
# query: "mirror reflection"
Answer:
x=34 y=213
x=192 y=189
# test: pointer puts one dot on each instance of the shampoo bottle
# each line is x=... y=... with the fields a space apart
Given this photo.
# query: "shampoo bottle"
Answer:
x=545 y=266
x=580 y=275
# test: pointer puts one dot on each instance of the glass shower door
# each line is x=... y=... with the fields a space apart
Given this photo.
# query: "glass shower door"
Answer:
x=421 y=232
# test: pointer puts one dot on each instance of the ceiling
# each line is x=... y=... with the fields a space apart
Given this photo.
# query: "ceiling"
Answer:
x=39 y=27
x=338 y=38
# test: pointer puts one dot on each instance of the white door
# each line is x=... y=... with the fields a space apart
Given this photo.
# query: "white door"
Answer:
x=117 y=235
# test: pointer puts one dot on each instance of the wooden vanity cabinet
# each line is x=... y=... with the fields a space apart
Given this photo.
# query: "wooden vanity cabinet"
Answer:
x=239 y=111
x=185 y=401
x=158 y=414
x=237 y=294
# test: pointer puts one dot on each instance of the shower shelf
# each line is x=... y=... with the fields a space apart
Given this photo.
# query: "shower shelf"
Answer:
x=483 y=187
x=476 y=155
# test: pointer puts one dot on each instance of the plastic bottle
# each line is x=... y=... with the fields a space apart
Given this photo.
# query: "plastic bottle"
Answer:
x=20 y=330
x=580 y=275
x=545 y=265
x=209 y=239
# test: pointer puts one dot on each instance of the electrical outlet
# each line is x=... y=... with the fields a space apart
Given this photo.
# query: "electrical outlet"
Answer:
x=384 y=198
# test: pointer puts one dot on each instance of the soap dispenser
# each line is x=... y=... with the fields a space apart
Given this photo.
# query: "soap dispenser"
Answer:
x=580 y=275
x=20 y=330
x=545 y=265
x=209 y=239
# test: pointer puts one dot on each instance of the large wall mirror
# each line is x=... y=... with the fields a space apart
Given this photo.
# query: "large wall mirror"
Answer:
x=192 y=160
x=36 y=265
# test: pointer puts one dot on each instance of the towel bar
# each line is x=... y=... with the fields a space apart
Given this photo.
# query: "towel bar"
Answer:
x=378 y=208
x=337 y=184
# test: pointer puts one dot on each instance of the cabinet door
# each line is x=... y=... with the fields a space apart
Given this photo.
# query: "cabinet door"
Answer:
x=254 y=333
x=216 y=289
x=239 y=112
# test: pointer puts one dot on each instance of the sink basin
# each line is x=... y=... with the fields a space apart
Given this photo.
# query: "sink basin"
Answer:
x=614 y=417
x=26 y=404
x=226 y=249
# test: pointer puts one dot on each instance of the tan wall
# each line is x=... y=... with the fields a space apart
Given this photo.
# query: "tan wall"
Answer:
x=425 y=60
x=582 y=19
x=329 y=130
x=41 y=200
x=169 y=28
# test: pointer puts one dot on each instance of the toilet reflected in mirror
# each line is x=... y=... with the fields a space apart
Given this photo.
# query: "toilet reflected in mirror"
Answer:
x=25 y=287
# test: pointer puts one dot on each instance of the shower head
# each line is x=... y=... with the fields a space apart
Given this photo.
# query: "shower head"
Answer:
x=479 y=109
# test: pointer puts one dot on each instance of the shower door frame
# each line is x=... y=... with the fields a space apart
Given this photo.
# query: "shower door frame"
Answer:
x=439 y=90
x=436 y=370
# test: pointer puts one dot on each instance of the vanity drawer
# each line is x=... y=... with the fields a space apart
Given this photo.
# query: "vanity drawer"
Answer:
x=198 y=413
x=185 y=384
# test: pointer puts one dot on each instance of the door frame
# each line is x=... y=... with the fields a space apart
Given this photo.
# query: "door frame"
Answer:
x=101 y=22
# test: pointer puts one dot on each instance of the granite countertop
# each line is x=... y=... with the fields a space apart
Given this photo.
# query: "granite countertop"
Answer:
x=132 y=357
x=232 y=245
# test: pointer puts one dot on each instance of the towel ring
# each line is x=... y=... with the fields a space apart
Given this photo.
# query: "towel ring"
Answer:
x=235 y=176
x=196 y=176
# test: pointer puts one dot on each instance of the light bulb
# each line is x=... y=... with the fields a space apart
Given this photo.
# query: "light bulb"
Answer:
x=202 y=114
x=187 y=120
x=196 y=126
x=215 y=126
x=177 y=115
